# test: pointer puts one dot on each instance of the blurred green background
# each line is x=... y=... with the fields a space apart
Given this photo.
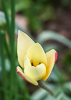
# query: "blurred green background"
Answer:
x=47 y=22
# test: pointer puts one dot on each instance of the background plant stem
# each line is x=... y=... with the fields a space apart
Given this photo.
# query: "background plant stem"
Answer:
x=13 y=77
x=44 y=87
x=3 y=64
x=7 y=17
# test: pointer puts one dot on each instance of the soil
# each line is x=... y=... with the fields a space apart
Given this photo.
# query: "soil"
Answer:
x=62 y=25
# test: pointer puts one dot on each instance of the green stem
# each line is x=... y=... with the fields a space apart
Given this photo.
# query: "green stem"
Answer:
x=13 y=76
x=6 y=16
x=44 y=87
x=24 y=90
x=7 y=47
x=12 y=21
x=26 y=94
x=3 y=64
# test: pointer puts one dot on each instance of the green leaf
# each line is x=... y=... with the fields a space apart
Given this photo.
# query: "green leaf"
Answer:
x=62 y=96
x=49 y=97
x=50 y=46
x=2 y=17
x=7 y=63
x=39 y=94
x=50 y=35
x=67 y=88
x=56 y=75
x=42 y=94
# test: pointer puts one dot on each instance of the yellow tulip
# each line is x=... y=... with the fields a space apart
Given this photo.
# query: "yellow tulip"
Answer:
x=36 y=63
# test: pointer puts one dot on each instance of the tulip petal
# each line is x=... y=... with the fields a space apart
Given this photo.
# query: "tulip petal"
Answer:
x=26 y=62
x=23 y=43
x=41 y=70
x=56 y=54
x=36 y=54
x=50 y=62
x=35 y=73
x=20 y=73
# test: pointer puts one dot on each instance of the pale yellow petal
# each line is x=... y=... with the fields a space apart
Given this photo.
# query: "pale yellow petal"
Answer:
x=36 y=54
x=26 y=62
x=35 y=73
x=18 y=68
x=20 y=73
x=41 y=70
x=50 y=62
x=23 y=43
x=30 y=80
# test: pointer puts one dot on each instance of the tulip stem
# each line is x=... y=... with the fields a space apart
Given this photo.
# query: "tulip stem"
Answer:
x=44 y=87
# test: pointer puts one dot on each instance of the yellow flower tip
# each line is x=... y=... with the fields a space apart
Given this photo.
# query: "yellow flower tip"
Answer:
x=19 y=31
x=19 y=69
x=23 y=43
x=20 y=34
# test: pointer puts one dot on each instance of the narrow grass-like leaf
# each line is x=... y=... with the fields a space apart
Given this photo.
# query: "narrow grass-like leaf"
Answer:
x=13 y=78
x=48 y=47
x=7 y=17
x=39 y=94
x=67 y=88
x=7 y=48
x=3 y=64
x=16 y=27
x=50 y=35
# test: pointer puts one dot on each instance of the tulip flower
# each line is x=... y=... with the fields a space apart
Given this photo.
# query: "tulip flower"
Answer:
x=36 y=63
